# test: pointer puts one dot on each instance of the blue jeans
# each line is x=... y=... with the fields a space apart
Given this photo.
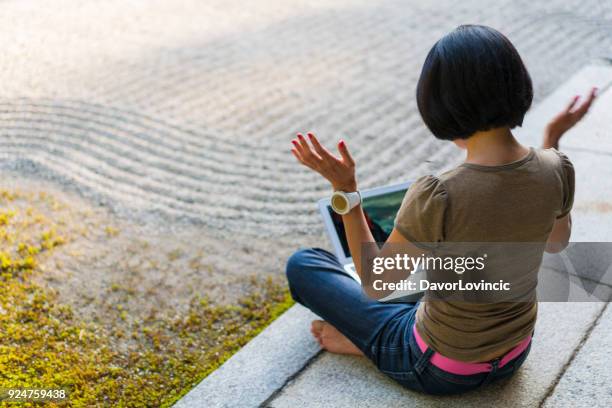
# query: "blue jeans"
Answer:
x=383 y=331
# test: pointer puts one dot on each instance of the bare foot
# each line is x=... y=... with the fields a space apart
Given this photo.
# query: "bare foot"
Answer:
x=332 y=340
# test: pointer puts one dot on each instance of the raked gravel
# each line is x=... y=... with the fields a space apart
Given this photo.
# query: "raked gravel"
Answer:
x=171 y=111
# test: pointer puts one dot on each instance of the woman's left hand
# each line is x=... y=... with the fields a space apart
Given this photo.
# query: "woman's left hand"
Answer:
x=339 y=171
x=566 y=119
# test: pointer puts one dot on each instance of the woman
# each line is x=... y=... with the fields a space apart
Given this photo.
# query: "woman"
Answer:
x=473 y=90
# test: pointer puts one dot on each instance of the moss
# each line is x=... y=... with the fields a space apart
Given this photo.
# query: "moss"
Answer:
x=111 y=231
x=44 y=345
x=174 y=254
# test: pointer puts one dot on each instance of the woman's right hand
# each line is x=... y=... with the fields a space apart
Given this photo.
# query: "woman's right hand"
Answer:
x=566 y=119
x=339 y=171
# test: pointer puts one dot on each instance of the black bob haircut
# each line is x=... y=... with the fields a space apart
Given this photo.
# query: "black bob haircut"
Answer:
x=473 y=79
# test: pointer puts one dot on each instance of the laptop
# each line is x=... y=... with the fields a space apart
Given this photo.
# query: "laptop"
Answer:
x=380 y=205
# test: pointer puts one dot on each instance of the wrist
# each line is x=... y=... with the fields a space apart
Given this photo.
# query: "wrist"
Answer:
x=550 y=139
x=346 y=187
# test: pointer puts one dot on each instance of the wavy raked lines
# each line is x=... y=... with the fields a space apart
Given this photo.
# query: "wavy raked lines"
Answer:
x=201 y=131
x=157 y=166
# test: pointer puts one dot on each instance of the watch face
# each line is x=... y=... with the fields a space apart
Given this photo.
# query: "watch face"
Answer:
x=339 y=203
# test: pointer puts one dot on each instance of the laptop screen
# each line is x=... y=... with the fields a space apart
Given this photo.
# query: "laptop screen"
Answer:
x=380 y=211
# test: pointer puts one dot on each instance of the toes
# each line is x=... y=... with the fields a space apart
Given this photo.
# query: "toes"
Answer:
x=315 y=333
x=317 y=326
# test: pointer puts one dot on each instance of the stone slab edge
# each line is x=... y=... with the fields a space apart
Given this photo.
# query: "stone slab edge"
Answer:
x=260 y=368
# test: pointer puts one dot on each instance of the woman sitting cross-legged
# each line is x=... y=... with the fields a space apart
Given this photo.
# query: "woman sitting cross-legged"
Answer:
x=473 y=90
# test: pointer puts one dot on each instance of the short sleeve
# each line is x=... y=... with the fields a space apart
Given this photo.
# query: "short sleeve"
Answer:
x=569 y=184
x=421 y=216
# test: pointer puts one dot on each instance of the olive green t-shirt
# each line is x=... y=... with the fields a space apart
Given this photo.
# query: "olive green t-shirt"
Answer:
x=515 y=202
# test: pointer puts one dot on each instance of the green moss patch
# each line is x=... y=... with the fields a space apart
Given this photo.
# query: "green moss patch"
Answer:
x=43 y=344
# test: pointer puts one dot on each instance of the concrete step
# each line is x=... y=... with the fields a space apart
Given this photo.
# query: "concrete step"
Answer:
x=260 y=368
x=586 y=382
x=344 y=381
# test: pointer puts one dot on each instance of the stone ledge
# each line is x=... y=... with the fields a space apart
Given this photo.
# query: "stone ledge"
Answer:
x=587 y=380
x=259 y=369
x=345 y=381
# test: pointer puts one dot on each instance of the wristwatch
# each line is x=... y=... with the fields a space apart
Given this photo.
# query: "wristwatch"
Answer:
x=343 y=202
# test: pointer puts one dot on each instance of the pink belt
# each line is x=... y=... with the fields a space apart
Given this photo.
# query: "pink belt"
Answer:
x=462 y=368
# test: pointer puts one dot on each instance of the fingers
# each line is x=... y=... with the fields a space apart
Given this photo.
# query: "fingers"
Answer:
x=321 y=151
x=317 y=156
x=297 y=155
x=572 y=103
x=584 y=108
x=344 y=152
x=296 y=151
x=296 y=148
x=586 y=105
x=307 y=152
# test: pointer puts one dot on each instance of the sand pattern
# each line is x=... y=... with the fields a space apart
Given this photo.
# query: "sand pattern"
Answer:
x=166 y=111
